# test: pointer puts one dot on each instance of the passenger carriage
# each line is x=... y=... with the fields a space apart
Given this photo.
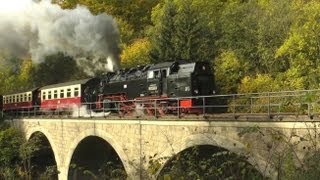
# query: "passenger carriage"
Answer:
x=23 y=101
x=65 y=96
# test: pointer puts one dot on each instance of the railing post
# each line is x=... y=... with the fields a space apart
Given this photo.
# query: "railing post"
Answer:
x=155 y=108
x=269 y=104
x=79 y=110
x=203 y=106
x=309 y=109
x=234 y=103
x=104 y=115
x=90 y=104
x=251 y=103
x=178 y=107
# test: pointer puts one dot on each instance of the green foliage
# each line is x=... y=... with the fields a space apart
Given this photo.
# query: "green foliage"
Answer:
x=56 y=69
x=136 y=54
x=228 y=72
x=18 y=78
x=301 y=48
x=163 y=48
x=207 y=162
x=259 y=83
x=179 y=34
x=109 y=170
x=10 y=141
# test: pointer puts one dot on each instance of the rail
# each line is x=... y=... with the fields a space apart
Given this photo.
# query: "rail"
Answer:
x=304 y=102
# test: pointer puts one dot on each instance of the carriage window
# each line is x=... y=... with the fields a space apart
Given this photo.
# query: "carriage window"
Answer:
x=29 y=97
x=25 y=98
x=61 y=93
x=21 y=97
x=4 y=100
x=44 y=95
x=68 y=92
x=55 y=94
x=13 y=98
x=76 y=92
x=49 y=94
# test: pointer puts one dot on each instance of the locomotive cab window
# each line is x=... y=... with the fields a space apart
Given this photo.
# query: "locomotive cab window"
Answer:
x=154 y=74
x=164 y=73
x=150 y=74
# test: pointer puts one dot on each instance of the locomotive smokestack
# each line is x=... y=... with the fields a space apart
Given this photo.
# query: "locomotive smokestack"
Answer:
x=40 y=29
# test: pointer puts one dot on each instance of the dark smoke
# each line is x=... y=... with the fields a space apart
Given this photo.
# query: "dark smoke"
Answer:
x=39 y=29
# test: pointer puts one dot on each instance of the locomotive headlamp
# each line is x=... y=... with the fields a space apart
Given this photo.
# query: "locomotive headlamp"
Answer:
x=196 y=91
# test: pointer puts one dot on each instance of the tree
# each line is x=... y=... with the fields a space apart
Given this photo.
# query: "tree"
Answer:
x=56 y=69
x=10 y=141
x=136 y=54
x=179 y=34
x=228 y=72
x=162 y=43
x=17 y=78
x=302 y=48
x=190 y=37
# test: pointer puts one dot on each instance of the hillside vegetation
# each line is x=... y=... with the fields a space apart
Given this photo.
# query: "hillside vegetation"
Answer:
x=253 y=45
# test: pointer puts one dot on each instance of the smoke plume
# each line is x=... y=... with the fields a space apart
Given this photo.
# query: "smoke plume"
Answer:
x=39 y=29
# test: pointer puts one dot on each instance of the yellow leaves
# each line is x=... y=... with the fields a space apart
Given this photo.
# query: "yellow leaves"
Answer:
x=26 y=68
x=228 y=71
x=136 y=54
x=258 y=83
x=292 y=45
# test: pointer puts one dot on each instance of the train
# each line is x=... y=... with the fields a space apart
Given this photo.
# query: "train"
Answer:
x=161 y=88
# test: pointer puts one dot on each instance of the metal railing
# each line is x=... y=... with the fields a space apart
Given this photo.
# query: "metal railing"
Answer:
x=304 y=102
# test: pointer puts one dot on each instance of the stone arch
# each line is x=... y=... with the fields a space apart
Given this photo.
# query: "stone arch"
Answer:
x=218 y=141
x=101 y=134
x=49 y=137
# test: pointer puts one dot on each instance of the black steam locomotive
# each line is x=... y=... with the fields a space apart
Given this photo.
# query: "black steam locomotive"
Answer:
x=162 y=82
x=156 y=88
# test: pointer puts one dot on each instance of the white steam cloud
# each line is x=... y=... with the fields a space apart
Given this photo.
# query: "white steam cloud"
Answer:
x=39 y=29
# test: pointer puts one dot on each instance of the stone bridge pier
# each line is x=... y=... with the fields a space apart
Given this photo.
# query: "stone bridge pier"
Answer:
x=136 y=141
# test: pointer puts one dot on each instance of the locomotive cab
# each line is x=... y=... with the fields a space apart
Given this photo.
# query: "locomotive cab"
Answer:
x=157 y=79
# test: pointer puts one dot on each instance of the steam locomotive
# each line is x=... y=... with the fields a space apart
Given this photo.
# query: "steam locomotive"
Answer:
x=164 y=87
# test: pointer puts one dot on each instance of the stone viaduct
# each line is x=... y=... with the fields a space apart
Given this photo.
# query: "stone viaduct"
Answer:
x=136 y=140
